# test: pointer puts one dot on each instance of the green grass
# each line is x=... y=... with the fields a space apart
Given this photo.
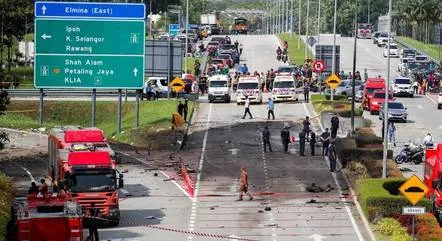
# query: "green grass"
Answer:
x=296 y=55
x=191 y=63
x=154 y=117
x=429 y=49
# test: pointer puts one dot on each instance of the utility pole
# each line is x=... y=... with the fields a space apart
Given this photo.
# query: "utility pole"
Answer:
x=368 y=20
x=319 y=21
x=387 y=93
x=187 y=32
x=353 y=82
x=299 y=24
x=306 y=30
x=287 y=17
x=279 y=16
x=334 y=45
x=291 y=19
x=150 y=19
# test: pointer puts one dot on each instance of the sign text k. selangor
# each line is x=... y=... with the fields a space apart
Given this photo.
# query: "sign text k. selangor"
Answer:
x=88 y=50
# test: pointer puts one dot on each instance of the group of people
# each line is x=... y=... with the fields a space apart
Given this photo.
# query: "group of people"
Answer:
x=42 y=190
x=307 y=135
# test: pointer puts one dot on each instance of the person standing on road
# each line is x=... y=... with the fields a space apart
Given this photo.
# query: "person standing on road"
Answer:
x=244 y=184
x=392 y=133
x=270 y=108
x=266 y=139
x=334 y=125
x=236 y=46
x=285 y=138
x=306 y=126
x=240 y=48
x=415 y=87
x=94 y=214
x=180 y=108
x=312 y=143
x=247 y=108
x=332 y=156
x=306 y=91
x=301 y=137
x=325 y=138
x=186 y=108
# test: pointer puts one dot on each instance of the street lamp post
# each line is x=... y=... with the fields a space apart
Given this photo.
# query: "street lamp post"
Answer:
x=353 y=85
x=368 y=17
x=291 y=19
x=334 y=45
x=387 y=93
x=187 y=32
x=299 y=24
x=306 y=30
x=319 y=20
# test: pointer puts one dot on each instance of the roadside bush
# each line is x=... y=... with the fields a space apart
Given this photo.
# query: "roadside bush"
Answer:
x=428 y=228
x=374 y=197
x=6 y=197
x=388 y=225
x=401 y=237
x=336 y=97
x=347 y=112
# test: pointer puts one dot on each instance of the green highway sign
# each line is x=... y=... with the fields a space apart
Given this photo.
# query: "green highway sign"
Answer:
x=89 y=53
x=94 y=72
x=83 y=36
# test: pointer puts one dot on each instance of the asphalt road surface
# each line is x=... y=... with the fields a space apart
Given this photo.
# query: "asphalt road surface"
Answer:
x=423 y=116
x=276 y=180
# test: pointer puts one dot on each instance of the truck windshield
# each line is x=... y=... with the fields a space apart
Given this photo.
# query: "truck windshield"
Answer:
x=371 y=90
x=92 y=181
x=218 y=84
x=247 y=86
x=381 y=96
x=284 y=84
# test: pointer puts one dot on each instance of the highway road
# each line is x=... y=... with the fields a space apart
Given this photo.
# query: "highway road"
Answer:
x=422 y=110
x=277 y=180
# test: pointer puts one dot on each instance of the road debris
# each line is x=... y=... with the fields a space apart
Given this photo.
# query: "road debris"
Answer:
x=268 y=208
x=168 y=179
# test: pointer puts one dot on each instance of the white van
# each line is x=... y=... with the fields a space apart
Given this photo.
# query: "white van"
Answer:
x=161 y=83
x=219 y=88
x=249 y=86
x=284 y=88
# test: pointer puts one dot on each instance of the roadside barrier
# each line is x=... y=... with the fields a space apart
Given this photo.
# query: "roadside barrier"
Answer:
x=187 y=180
x=219 y=236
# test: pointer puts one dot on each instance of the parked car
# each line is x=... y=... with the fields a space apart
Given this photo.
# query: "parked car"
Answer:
x=234 y=55
x=402 y=86
x=285 y=69
x=375 y=37
x=378 y=99
x=396 y=112
x=346 y=86
x=393 y=50
x=358 y=96
x=219 y=63
x=408 y=53
x=228 y=58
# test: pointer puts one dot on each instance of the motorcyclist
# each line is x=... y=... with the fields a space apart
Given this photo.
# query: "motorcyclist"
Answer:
x=428 y=140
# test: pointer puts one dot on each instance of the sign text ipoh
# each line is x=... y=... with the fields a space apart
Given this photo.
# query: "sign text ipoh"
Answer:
x=88 y=52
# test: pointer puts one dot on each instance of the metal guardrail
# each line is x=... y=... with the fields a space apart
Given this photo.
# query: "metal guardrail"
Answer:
x=63 y=92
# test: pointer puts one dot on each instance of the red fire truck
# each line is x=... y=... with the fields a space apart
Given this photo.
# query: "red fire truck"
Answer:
x=82 y=160
x=433 y=177
x=50 y=218
x=364 y=30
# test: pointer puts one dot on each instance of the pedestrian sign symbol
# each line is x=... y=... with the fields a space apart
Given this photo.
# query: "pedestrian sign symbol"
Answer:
x=177 y=84
x=134 y=38
x=414 y=189
x=333 y=81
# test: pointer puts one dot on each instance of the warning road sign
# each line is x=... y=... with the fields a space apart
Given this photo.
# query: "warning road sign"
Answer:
x=177 y=84
x=333 y=81
x=414 y=189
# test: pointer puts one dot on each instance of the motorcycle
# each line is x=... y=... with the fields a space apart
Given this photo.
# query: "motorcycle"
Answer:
x=284 y=58
x=409 y=153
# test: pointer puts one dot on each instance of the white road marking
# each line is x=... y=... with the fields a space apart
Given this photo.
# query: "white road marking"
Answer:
x=347 y=208
x=198 y=178
x=420 y=107
x=429 y=97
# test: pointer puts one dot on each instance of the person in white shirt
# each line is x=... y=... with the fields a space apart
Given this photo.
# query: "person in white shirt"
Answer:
x=428 y=140
x=247 y=108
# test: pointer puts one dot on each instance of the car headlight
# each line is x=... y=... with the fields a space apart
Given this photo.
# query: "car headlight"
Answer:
x=375 y=103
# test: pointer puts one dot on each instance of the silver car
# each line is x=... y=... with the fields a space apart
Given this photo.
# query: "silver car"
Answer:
x=345 y=88
x=396 y=112
x=358 y=96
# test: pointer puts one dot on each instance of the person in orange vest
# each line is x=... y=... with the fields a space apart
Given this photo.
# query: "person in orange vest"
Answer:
x=244 y=184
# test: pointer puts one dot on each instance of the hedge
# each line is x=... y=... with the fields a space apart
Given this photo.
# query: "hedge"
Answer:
x=377 y=201
x=428 y=228
x=6 y=198
x=336 y=97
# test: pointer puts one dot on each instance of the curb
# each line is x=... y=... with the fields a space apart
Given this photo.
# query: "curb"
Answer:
x=24 y=132
x=189 y=125
x=355 y=200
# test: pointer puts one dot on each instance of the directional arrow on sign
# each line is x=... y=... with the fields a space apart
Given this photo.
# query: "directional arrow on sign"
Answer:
x=135 y=72
x=234 y=151
x=45 y=36
x=317 y=237
x=44 y=9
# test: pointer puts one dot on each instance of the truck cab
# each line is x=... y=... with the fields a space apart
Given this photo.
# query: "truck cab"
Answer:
x=433 y=177
x=219 y=88
x=371 y=85
x=284 y=88
x=378 y=99
x=249 y=86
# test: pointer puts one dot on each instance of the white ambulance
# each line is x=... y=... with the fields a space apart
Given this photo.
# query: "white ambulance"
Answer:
x=219 y=88
x=284 y=88
x=249 y=86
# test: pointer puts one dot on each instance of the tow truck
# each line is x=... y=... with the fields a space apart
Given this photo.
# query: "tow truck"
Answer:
x=81 y=159
x=433 y=177
x=49 y=218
